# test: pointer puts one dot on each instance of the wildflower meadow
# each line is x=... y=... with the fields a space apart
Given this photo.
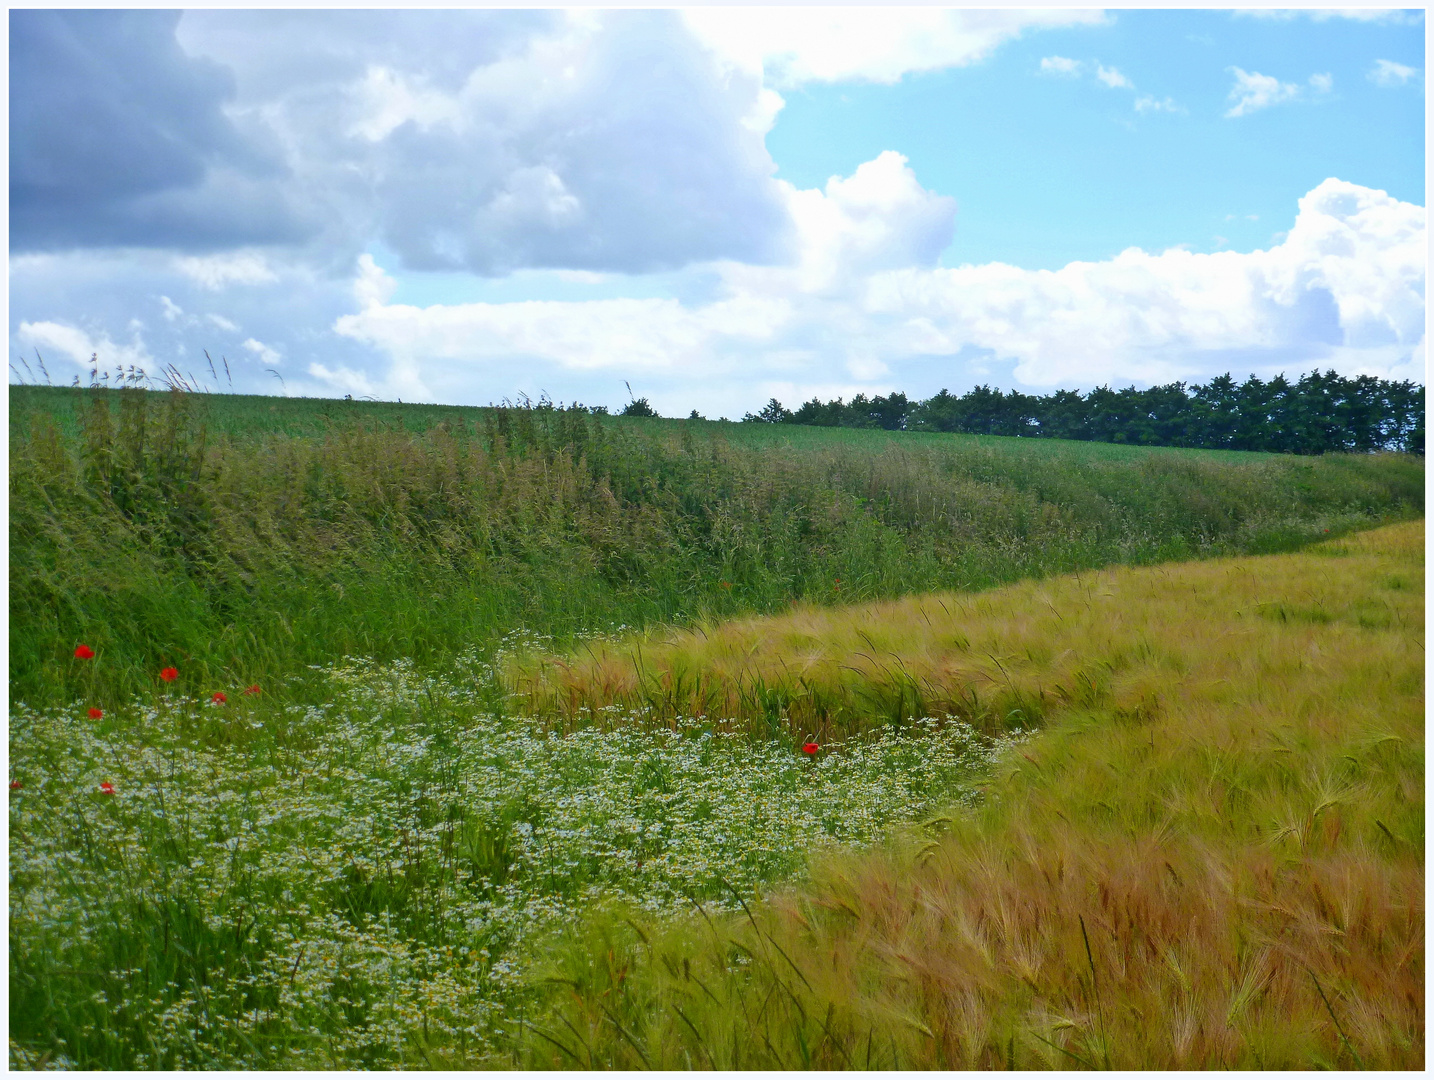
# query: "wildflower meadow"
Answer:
x=199 y=882
x=534 y=738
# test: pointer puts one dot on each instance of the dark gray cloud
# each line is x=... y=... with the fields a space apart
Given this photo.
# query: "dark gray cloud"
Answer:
x=487 y=141
x=117 y=137
x=276 y=53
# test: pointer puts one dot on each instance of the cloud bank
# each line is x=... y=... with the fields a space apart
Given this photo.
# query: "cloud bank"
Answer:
x=866 y=300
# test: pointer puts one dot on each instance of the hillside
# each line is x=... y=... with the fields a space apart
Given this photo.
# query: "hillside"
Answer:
x=240 y=538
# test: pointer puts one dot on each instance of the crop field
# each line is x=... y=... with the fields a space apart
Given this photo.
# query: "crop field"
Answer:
x=188 y=529
x=348 y=734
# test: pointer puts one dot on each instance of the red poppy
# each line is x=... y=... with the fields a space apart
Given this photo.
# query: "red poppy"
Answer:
x=15 y=785
x=219 y=697
x=837 y=584
x=84 y=652
x=253 y=689
x=96 y=714
x=107 y=788
x=726 y=584
x=810 y=748
x=169 y=674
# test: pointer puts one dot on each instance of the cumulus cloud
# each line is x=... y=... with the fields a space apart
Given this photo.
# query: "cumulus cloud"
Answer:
x=878 y=218
x=480 y=141
x=1388 y=73
x=1253 y=91
x=1345 y=288
x=1322 y=83
x=78 y=347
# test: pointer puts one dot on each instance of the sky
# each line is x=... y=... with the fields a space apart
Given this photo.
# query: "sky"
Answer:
x=715 y=206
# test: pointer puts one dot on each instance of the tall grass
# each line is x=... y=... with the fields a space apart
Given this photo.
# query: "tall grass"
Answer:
x=370 y=881
x=1213 y=859
x=238 y=543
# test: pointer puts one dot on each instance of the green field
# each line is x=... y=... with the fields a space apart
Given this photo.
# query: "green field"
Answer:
x=239 y=538
x=380 y=857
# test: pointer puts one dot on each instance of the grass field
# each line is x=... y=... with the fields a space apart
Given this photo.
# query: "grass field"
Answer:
x=484 y=746
x=206 y=532
x=1211 y=856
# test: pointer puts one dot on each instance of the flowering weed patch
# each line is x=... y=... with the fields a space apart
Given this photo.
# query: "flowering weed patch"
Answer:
x=365 y=883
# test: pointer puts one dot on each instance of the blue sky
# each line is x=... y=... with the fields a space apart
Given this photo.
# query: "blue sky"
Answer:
x=1049 y=169
x=717 y=206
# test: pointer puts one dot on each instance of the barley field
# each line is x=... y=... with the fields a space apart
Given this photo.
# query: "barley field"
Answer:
x=351 y=735
x=1210 y=857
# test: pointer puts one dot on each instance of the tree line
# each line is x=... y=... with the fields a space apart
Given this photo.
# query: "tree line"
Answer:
x=1319 y=413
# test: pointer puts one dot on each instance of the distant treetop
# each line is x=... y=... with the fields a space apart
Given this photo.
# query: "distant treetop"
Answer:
x=1318 y=414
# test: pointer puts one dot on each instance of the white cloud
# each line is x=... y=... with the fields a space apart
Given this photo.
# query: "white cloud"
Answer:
x=1363 y=14
x=1146 y=103
x=387 y=99
x=1059 y=65
x=1344 y=289
x=372 y=287
x=498 y=141
x=1388 y=73
x=1322 y=84
x=796 y=45
x=627 y=141
x=78 y=346
x=1253 y=91
x=1346 y=286
x=1113 y=78
x=263 y=353
x=878 y=218
x=345 y=380
x=223 y=323
x=172 y=311
x=215 y=272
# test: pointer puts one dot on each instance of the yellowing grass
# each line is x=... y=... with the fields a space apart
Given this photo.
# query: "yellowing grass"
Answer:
x=1127 y=638
x=1211 y=858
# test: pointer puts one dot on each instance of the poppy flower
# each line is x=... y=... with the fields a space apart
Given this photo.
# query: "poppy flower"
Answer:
x=253 y=689
x=107 y=788
x=169 y=674
x=726 y=584
x=15 y=785
x=96 y=714
x=810 y=748
x=84 y=652
x=219 y=697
